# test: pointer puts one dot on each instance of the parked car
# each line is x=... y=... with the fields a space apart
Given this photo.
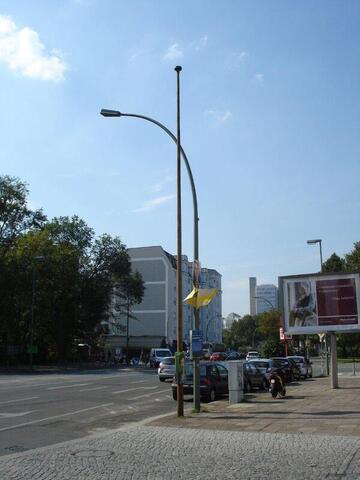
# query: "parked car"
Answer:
x=295 y=368
x=252 y=355
x=290 y=369
x=304 y=365
x=269 y=366
x=218 y=356
x=234 y=356
x=213 y=381
x=158 y=354
x=166 y=368
x=254 y=377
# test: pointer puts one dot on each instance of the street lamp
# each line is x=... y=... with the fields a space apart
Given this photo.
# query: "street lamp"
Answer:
x=265 y=300
x=314 y=242
x=196 y=317
x=38 y=258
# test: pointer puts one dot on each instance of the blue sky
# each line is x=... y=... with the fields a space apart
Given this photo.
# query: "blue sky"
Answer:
x=270 y=124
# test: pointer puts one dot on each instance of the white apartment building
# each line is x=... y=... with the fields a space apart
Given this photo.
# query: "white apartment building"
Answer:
x=232 y=317
x=156 y=315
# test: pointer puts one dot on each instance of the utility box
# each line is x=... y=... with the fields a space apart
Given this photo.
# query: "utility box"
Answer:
x=235 y=370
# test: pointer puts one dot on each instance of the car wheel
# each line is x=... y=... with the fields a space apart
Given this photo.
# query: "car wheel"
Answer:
x=174 y=394
x=210 y=397
x=265 y=384
x=162 y=379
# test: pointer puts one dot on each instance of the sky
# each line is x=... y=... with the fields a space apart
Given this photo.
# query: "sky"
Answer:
x=270 y=123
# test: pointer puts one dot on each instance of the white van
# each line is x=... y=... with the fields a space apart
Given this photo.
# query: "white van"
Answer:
x=157 y=354
x=252 y=355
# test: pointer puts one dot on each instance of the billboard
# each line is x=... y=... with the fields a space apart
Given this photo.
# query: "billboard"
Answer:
x=318 y=303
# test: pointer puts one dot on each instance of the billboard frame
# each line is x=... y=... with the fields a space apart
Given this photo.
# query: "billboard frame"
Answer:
x=308 y=330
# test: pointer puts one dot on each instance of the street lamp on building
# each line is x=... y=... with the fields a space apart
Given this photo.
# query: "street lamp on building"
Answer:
x=314 y=242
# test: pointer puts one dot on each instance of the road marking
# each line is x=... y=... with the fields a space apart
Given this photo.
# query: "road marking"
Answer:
x=145 y=395
x=91 y=389
x=13 y=427
x=19 y=400
x=133 y=389
x=11 y=415
x=68 y=386
x=140 y=381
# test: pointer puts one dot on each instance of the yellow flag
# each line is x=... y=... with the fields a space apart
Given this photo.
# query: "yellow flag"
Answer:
x=200 y=297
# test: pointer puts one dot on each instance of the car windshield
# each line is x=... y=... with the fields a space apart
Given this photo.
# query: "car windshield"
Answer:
x=162 y=353
x=279 y=363
x=260 y=365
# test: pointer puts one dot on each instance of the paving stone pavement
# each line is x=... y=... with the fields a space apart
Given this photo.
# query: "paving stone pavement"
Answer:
x=157 y=453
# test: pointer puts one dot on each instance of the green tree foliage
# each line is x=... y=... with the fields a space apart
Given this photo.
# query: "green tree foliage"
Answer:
x=352 y=259
x=61 y=268
x=16 y=217
x=241 y=334
x=334 y=264
x=269 y=323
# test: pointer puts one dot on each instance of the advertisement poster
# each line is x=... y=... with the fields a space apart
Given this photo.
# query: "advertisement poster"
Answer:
x=319 y=303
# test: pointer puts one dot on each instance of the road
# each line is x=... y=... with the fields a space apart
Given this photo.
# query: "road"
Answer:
x=40 y=410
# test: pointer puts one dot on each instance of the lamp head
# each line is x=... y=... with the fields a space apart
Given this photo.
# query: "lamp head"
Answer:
x=312 y=242
x=110 y=113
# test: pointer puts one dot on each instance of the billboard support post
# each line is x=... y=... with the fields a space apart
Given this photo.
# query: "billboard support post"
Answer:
x=334 y=369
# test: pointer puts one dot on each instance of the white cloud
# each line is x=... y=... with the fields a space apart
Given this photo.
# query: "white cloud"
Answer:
x=259 y=77
x=173 y=52
x=160 y=185
x=153 y=203
x=201 y=44
x=21 y=50
x=220 y=117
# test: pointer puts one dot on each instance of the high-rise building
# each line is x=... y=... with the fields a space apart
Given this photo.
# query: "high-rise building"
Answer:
x=252 y=292
x=266 y=298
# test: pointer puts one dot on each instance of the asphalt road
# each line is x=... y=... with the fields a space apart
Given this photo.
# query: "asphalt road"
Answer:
x=40 y=410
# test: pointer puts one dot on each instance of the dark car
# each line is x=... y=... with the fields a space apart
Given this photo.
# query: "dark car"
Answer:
x=295 y=368
x=254 y=377
x=269 y=366
x=234 y=356
x=290 y=369
x=213 y=381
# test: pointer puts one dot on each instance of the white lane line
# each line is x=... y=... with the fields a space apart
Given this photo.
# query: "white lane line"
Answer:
x=68 y=386
x=53 y=417
x=133 y=389
x=18 y=400
x=146 y=395
x=91 y=389
x=12 y=415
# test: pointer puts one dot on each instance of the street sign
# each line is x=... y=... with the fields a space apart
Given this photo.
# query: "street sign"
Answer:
x=196 y=344
x=282 y=336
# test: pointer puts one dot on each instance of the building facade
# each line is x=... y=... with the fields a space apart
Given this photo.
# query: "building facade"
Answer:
x=267 y=298
x=155 y=316
x=230 y=319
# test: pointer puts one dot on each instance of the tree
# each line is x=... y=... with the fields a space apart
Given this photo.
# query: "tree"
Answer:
x=16 y=217
x=352 y=259
x=241 y=334
x=334 y=264
x=131 y=290
x=269 y=323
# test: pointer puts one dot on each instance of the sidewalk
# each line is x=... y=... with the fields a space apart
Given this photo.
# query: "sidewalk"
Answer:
x=309 y=407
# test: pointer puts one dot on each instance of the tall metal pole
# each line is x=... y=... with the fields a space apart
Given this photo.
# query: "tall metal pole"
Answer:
x=179 y=312
x=321 y=259
x=31 y=336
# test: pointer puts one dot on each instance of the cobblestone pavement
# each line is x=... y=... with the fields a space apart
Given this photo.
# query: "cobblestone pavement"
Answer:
x=144 y=452
x=310 y=407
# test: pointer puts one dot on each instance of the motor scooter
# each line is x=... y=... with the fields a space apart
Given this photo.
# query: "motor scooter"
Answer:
x=277 y=385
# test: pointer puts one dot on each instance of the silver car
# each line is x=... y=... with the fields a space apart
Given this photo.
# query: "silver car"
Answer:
x=166 y=368
x=303 y=364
